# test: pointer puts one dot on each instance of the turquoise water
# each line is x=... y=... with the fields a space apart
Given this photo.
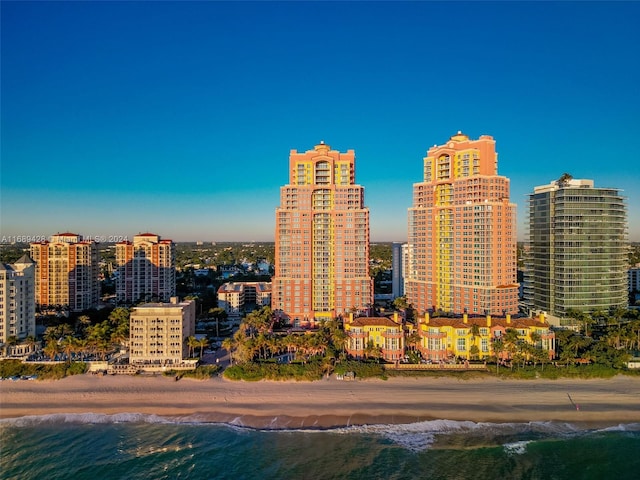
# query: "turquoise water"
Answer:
x=147 y=447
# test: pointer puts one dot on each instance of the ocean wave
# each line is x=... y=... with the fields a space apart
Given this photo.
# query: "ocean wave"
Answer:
x=417 y=436
x=623 y=427
x=516 y=448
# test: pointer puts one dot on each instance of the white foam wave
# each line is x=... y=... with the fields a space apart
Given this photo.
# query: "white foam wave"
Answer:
x=623 y=427
x=416 y=436
x=516 y=448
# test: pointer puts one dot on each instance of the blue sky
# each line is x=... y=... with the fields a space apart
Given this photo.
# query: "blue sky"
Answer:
x=178 y=118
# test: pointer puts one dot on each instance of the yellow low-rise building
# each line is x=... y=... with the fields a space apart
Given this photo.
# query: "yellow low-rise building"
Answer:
x=443 y=338
x=368 y=335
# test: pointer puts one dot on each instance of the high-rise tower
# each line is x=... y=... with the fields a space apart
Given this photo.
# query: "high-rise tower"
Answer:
x=577 y=256
x=17 y=299
x=67 y=270
x=322 y=239
x=146 y=269
x=462 y=232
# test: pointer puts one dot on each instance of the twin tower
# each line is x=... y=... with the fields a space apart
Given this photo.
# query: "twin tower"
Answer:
x=461 y=255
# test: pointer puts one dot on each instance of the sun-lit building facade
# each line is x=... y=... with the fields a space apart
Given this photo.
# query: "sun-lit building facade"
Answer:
x=467 y=337
x=322 y=239
x=145 y=269
x=67 y=271
x=385 y=335
x=577 y=248
x=462 y=232
x=158 y=332
x=17 y=299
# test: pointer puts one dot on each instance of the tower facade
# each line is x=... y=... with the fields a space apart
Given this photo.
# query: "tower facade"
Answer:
x=17 y=299
x=146 y=269
x=577 y=243
x=398 y=268
x=322 y=239
x=462 y=232
x=67 y=270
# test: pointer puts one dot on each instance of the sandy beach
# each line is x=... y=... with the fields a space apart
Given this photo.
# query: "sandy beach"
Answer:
x=329 y=403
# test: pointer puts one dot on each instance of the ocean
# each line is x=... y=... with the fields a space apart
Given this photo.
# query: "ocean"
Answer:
x=130 y=446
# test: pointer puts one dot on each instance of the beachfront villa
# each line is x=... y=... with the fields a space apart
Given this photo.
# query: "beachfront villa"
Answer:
x=381 y=333
x=468 y=337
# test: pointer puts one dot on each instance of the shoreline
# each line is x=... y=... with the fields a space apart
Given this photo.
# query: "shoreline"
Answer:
x=331 y=403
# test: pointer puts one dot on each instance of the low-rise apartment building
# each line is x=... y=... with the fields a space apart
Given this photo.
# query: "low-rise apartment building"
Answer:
x=158 y=332
x=233 y=296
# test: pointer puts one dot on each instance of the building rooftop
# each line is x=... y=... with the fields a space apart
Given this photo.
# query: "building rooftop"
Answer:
x=373 y=321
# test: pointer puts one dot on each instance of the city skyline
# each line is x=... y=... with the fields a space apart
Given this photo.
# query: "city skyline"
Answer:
x=121 y=118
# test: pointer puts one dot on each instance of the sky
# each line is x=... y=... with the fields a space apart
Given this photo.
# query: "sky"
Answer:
x=178 y=117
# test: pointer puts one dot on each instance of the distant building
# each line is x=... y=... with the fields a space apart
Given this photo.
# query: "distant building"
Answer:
x=399 y=263
x=228 y=271
x=234 y=295
x=634 y=280
x=448 y=338
x=67 y=270
x=17 y=300
x=146 y=269
x=158 y=332
x=462 y=232
x=381 y=333
x=577 y=256
x=322 y=239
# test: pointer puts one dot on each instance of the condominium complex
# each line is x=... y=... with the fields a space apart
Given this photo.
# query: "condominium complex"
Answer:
x=158 y=332
x=577 y=243
x=17 y=299
x=67 y=270
x=462 y=232
x=473 y=337
x=145 y=269
x=322 y=239
x=233 y=296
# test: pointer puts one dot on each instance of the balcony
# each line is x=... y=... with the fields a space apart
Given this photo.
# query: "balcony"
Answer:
x=424 y=334
x=356 y=334
x=392 y=334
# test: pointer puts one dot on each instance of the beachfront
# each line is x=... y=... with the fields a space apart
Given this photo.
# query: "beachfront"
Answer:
x=332 y=402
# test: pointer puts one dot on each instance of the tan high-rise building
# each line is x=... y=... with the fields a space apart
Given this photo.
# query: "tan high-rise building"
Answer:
x=158 y=332
x=322 y=239
x=145 y=269
x=462 y=232
x=67 y=270
x=17 y=299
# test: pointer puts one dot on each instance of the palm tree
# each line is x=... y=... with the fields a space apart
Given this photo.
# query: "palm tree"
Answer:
x=82 y=323
x=498 y=348
x=512 y=344
x=51 y=349
x=219 y=314
x=340 y=339
x=229 y=345
x=475 y=333
x=202 y=343
x=69 y=345
x=413 y=339
x=192 y=343
x=371 y=351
